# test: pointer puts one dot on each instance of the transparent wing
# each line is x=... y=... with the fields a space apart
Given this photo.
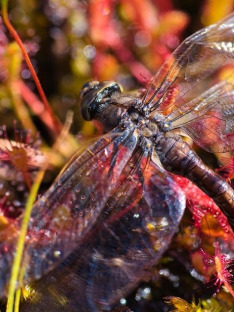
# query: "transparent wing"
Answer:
x=63 y=216
x=209 y=118
x=190 y=70
x=134 y=230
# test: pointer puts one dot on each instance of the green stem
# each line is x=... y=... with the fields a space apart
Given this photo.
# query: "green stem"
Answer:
x=21 y=241
x=16 y=267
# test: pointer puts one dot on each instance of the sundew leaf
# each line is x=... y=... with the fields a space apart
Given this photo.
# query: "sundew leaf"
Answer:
x=182 y=305
x=207 y=305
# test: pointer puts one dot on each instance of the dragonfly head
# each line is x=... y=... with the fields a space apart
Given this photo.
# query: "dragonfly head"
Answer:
x=95 y=97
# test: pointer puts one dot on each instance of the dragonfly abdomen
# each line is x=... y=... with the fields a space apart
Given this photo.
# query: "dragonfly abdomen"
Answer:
x=177 y=157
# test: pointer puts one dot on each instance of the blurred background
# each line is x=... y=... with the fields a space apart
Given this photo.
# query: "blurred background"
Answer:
x=70 y=43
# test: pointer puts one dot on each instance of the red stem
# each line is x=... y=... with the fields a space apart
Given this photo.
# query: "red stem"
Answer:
x=36 y=106
x=56 y=124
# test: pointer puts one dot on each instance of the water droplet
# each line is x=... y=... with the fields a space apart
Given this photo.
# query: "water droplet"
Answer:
x=89 y=51
x=123 y=301
x=142 y=39
x=11 y=208
x=25 y=74
x=57 y=253
x=16 y=203
x=21 y=188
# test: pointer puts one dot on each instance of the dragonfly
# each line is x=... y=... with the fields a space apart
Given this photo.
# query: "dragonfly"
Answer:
x=114 y=208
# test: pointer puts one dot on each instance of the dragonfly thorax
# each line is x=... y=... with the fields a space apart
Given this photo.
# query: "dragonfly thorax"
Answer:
x=104 y=101
x=147 y=127
x=160 y=120
x=151 y=125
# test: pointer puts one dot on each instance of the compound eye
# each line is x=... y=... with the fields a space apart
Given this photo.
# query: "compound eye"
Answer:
x=88 y=86
x=94 y=97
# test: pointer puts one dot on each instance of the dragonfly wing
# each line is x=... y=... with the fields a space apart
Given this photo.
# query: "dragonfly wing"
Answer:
x=66 y=212
x=209 y=118
x=190 y=70
x=130 y=236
